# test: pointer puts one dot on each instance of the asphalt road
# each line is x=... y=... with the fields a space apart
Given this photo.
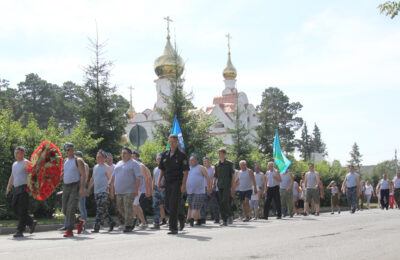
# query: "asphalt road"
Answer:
x=369 y=234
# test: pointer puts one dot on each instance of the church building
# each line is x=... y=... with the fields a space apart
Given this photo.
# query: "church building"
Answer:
x=141 y=125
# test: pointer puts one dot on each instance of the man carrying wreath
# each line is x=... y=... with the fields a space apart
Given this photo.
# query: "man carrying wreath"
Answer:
x=20 y=200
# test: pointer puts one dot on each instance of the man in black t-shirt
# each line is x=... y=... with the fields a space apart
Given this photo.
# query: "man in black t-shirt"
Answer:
x=174 y=168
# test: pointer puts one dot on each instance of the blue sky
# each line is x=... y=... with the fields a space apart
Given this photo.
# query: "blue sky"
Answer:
x=340 y=59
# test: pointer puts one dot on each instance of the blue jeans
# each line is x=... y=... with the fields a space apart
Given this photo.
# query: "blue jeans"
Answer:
x=158 y=199
x=352 y=197
x=212 y=198
x=82 y=210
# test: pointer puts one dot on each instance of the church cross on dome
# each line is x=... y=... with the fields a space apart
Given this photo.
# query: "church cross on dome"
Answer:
x=168 y=20
x=229 y=42
x=131 y=88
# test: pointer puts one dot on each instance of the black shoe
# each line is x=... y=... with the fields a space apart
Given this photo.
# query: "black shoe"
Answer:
x=18 y=234
x=32 y=227
x=191 y=222
x=62 y=229
x=202 y=221
x=95 y=231
x=279 y=217
x=128 y=229
x=246 y=219
x=199 y=222
x=216 y=221
x=172 y=232
x=112 y=225
x=164 y=222
x=181 y=224
x=155 y=227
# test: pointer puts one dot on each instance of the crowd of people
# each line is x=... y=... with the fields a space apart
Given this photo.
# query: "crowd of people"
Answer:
x=130 y=183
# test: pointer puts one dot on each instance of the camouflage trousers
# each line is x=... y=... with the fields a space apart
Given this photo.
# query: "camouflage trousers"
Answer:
x=102 y=209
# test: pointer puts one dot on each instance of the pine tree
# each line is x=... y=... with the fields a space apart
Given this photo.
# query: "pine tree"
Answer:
x=356 y=157
x=38 y=98
x=317 y=145
x=100 y=104
x=68 y=104
x=276 y=112
x=241 y=148
x=305 y=144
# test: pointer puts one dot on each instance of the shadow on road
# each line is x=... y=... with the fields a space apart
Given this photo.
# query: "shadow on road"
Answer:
x=239 y=225
x=26 y=238
x=204 y=227
x=199 y=238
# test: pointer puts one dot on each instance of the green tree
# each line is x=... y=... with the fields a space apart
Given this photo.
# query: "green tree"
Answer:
x=83 y=140
x=388 y=167
x=101 y=107
x=355 y=157
x=305 y=143
x=241 y=147
x=390 y=8
x=148 y=152
x=10 y=97
x=68 y=105
x=317 y=145
x=276 y=112
x=37 y=97
x=4 y=84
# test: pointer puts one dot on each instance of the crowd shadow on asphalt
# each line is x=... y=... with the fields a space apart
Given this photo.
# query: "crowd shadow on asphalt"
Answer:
x=240 y=225
x=202 y=227
x=30 y=238
x=198 y=238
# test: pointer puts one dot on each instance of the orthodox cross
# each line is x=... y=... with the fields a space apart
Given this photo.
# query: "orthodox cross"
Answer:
x=130 y=88
x=168 y=20
x=229 y=42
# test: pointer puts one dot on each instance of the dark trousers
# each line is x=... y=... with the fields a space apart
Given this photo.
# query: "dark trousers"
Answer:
x=360 y=199
x=224 y=197
x=173 y=199
x=385 y=198
x=70 y=199
x=210 y=199
x=143 y=202
x=272 y=194
x=20 y=205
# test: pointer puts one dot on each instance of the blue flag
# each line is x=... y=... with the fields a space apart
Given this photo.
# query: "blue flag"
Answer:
x=280 y=159
x=176 y=130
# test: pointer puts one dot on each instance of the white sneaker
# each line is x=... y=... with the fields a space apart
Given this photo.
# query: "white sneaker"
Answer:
x=142 y=226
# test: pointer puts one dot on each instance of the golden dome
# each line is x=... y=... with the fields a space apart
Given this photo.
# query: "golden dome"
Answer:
x=169 y=64
x=131 y=112
x=229 y=71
